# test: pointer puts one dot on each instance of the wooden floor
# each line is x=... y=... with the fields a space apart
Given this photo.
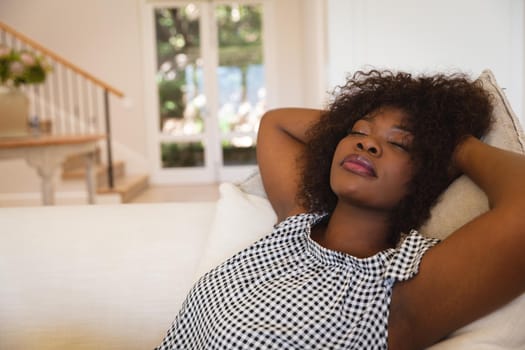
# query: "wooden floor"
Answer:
x=188 y=193
x=153 y=194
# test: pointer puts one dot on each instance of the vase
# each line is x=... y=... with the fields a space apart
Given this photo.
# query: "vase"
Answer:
x=14 y=112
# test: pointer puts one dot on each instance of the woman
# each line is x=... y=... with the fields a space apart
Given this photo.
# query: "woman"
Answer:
x=344 y=268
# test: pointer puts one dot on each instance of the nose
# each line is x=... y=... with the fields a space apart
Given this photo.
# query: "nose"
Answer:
x=370 y=146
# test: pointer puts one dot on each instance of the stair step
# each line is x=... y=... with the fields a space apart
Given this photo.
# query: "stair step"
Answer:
x=127 y=187
x=101 y=171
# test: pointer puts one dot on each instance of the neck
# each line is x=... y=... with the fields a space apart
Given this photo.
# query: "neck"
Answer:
x=360 y=232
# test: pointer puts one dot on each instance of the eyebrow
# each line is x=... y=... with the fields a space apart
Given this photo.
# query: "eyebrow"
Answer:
x=368 y=118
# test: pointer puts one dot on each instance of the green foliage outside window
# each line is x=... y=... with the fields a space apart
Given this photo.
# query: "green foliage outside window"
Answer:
x=182 y=155
x=179 y=61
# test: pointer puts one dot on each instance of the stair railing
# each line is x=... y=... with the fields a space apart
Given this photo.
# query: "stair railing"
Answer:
x=71 y=100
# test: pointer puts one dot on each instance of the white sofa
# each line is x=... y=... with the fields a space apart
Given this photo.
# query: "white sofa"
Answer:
x=112 y=277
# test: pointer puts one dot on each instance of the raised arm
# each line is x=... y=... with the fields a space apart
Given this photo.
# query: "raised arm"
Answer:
x=280 y=142
x=480 y=266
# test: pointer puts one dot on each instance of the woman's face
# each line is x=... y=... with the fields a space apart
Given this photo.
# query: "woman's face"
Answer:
x=372 y=165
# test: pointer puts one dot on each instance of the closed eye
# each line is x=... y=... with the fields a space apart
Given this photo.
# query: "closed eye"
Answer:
x=402 y=146
x=355 y=132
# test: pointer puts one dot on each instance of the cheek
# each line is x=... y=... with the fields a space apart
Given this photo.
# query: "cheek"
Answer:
x=337 y=178
x=336 y=156
x=333 y=170
x=404 y=173
x=396 y=187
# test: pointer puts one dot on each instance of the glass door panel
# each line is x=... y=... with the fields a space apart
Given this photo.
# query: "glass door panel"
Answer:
x=182 y=103
x=241 y=83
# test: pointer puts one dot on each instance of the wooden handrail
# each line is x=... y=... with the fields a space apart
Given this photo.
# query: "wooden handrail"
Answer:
x=60 y=59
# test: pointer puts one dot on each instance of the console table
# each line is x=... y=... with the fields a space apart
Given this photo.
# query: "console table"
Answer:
x=45 y=153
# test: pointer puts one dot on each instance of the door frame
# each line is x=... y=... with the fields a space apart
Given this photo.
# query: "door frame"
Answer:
x=213 y=170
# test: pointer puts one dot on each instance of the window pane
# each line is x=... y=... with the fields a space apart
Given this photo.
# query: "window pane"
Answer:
x=179 y=70
x=240 y=74
x=182 y=154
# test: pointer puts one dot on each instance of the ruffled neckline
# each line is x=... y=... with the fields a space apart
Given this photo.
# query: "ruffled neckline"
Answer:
x=372 y=265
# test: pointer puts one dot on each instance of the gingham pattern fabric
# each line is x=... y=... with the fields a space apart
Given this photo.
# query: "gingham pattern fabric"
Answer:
x=288 y=292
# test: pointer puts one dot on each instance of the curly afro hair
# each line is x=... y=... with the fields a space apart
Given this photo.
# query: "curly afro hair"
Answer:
x=441 y=110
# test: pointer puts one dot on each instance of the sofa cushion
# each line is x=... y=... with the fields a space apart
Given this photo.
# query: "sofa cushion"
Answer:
x=240 y=219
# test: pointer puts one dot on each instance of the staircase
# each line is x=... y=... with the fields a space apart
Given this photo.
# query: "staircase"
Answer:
x=127 y=187
x=73 y=102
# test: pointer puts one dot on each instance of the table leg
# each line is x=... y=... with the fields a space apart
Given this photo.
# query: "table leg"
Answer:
x=45 y=162
x=48 y=190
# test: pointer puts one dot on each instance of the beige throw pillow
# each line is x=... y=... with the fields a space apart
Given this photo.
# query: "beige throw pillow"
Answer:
x=463 y=200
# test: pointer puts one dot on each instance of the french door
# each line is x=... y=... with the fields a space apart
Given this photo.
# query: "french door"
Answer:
x=208 y=76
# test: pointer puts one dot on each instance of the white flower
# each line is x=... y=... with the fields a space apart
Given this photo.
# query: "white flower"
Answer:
x=21 y=67
x=27 y=59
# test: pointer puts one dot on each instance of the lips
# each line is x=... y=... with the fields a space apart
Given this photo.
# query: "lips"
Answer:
x=359 y=165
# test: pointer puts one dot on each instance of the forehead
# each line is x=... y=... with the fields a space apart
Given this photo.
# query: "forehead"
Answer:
x=393 y=115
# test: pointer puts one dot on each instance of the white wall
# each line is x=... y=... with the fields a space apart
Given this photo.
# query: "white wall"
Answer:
x=429 y=36
x=298 y=43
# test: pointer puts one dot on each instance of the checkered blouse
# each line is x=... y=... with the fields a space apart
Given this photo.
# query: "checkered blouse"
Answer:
x=288 y=292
